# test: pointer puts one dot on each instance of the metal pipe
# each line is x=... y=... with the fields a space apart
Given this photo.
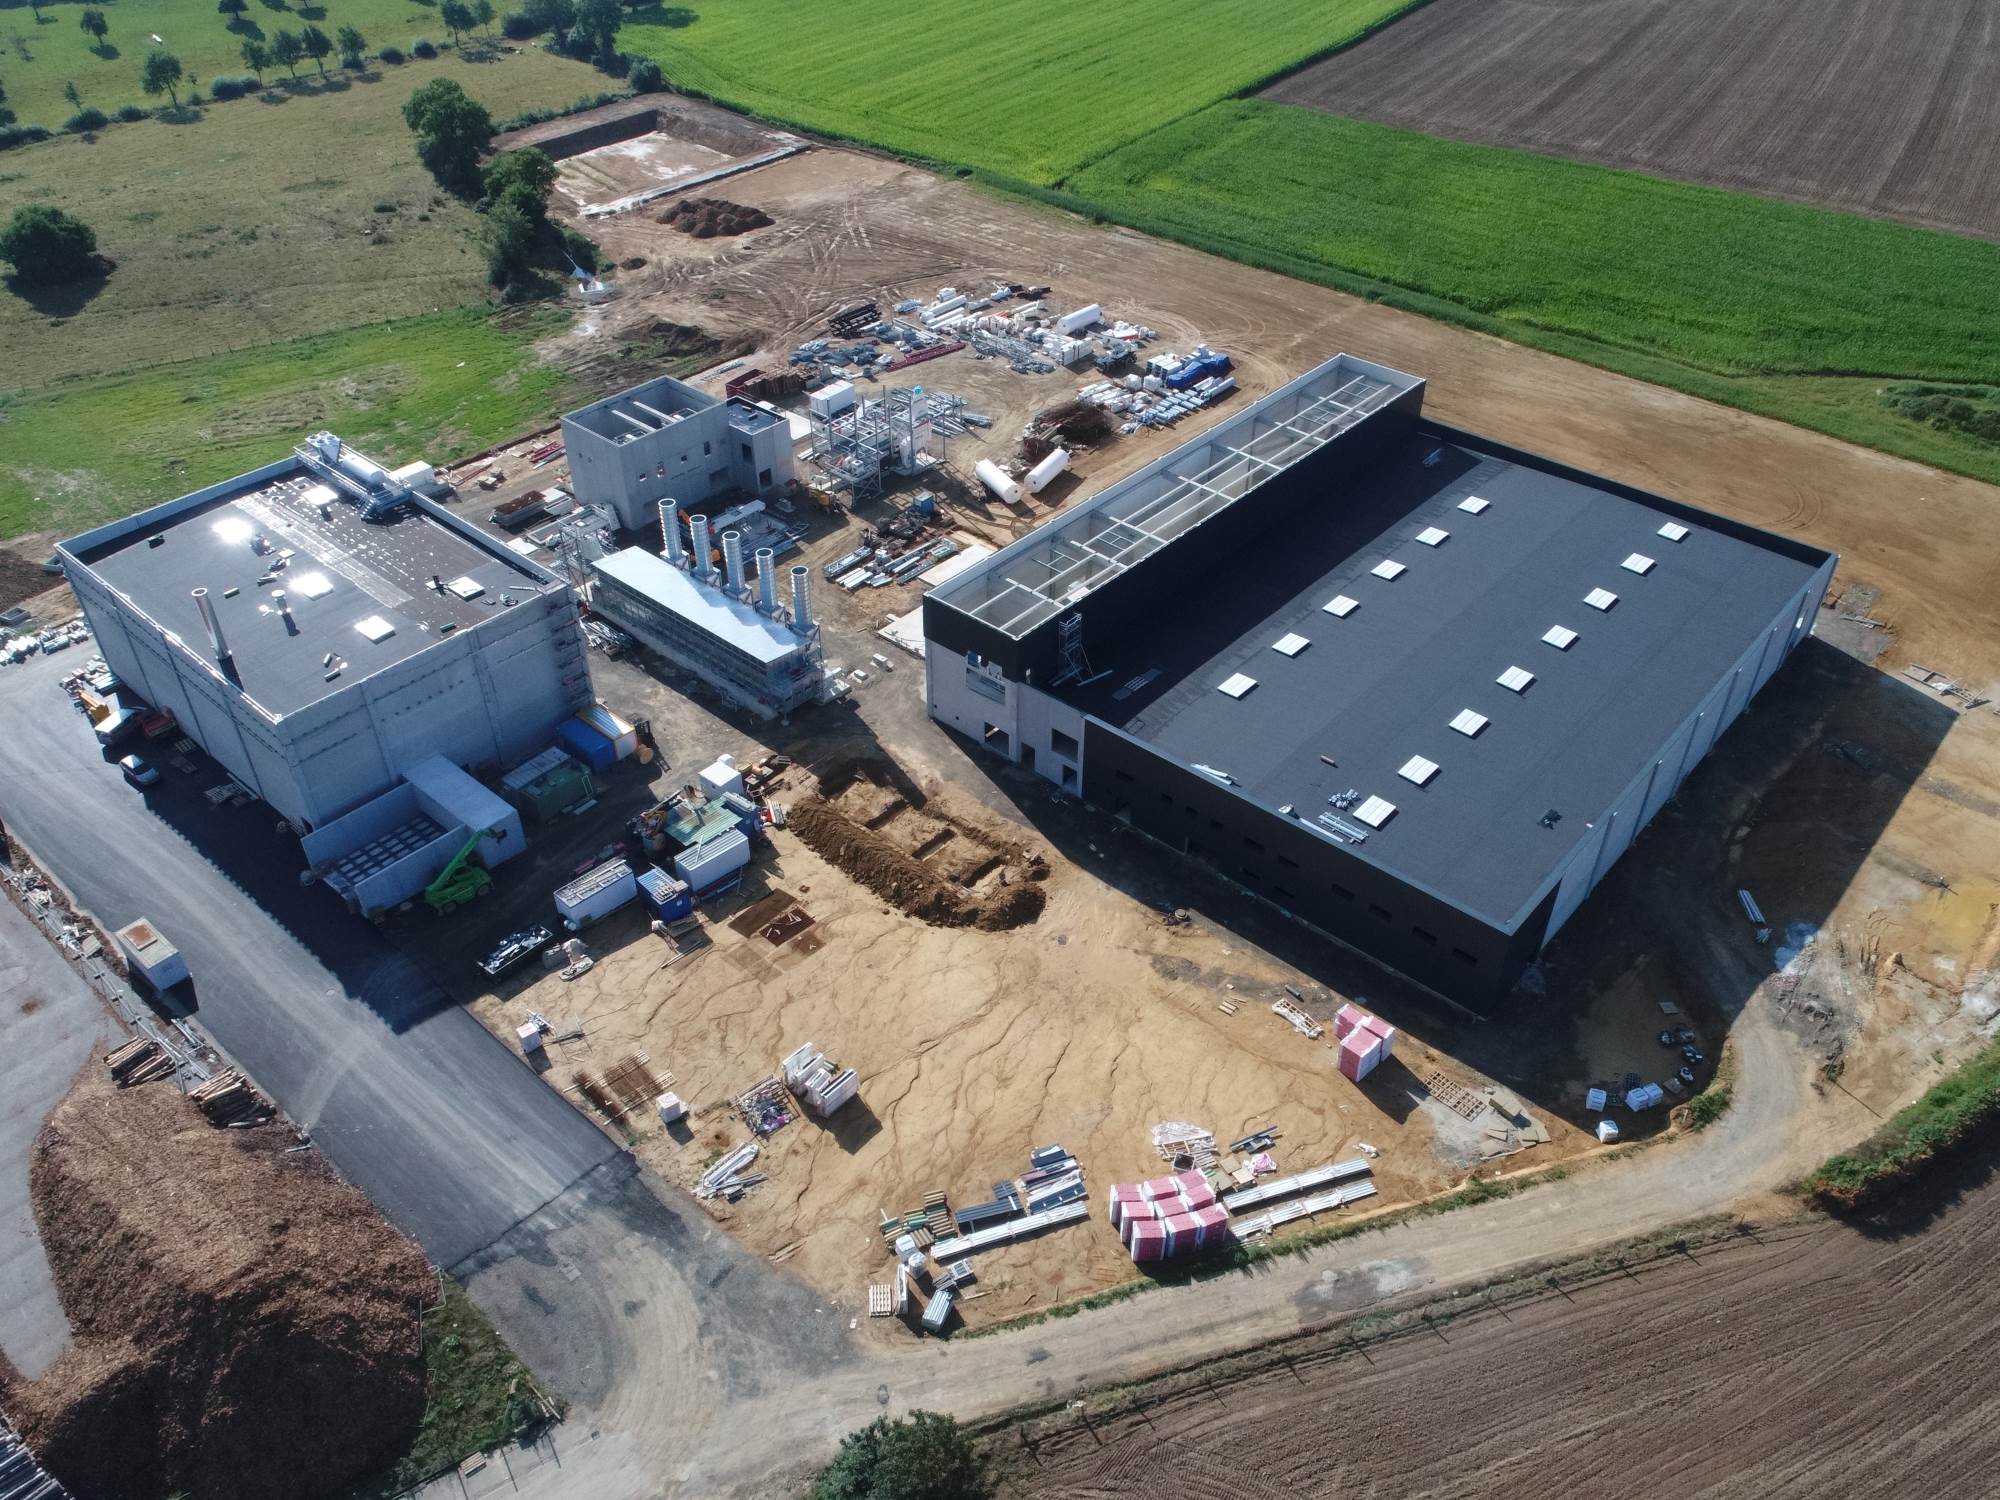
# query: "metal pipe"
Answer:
x=214 y=625
x=704 y=569
x=653 y=411
x=767 y=580
x=633 y=422
x=672 y=548
x=732 y=560
x=284 y=609
x=802 y=620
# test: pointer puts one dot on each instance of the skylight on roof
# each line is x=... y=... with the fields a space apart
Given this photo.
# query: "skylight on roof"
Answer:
x=1600 y=598
x=466 y=587
x=1417 y=769
x=1560 y=636
x=1341 y=605
x=1375 y=811
x=1468 y=723
x=1638 y=563
x=1388 y=570
x=312 y=585
x=1433 y=536
x=1515 y=679
x=1673 y=531
x=232 y=529
x=1290 y=644
x=375 y=628
x=1236 y=684
x=319 y=494
x=1473 y=505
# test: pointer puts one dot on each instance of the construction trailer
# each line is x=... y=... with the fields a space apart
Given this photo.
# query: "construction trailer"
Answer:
x=320 y=627
x=1415 y=687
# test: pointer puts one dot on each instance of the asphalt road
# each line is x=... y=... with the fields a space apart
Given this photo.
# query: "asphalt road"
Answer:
x=454 y=1139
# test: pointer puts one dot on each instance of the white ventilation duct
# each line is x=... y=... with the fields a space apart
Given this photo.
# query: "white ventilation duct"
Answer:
x=802 y=619
x=732 y=560
x=703 y=568
x=284 y=609
x=214 y=625
x=767 y=580
x=671 y=545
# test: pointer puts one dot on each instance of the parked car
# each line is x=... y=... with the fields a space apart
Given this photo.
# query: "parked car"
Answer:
x=514 y=950
x=139 y=771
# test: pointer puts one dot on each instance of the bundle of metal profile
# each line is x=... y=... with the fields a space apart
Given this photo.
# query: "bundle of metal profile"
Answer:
x=1303 y=1208
x=1013 y=1229
x=1284 y=1187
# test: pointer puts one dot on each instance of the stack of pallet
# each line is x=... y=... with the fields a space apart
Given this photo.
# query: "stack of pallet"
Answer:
x=140 y=1060
x=228 y=1099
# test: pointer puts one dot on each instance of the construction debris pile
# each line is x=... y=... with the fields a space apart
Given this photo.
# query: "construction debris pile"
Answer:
x=245 y=1323
x=1070 y=424
x=730 y=1177
x=708 y=218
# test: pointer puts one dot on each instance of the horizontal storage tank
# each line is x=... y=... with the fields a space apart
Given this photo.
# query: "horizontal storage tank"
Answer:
x=713 y=860
x=1082 y=318
x=1043 y=474
x=995 y=479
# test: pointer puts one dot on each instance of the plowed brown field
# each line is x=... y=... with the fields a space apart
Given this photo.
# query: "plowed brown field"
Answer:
x=1887 y=107
x=1808 y=1360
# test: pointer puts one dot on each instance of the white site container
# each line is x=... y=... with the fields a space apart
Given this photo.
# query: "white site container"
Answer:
x=721 y=777
x=996 y=479
x=596 y=894
x=531 y=1037
x=150 y=956
x=1044 y=473
x=713 y=860
x=671 y=1108
x=831 y=400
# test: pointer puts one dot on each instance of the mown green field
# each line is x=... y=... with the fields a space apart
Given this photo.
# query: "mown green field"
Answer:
x=37 y=57
x=258 y=222
x=432 y=387
x=1022 y=87
x=1793 y=311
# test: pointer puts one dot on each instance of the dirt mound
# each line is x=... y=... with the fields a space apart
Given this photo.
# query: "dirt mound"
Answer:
x=706 y=218
x=1067 y=424
x=245 y=1322
x=21 y=578
x=992 y=894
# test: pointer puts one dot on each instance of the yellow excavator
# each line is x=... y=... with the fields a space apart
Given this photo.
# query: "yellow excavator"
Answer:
x=461 y=880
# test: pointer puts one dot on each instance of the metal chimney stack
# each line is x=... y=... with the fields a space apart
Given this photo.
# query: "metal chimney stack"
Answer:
x=767 y=580
x=670 y=534
x=214 y=625
x=703 y=568
x=802 y=619
x=732 y=561
x=284 y=609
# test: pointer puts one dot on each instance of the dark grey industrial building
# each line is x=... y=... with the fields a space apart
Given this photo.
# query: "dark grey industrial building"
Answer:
x=1416 y=687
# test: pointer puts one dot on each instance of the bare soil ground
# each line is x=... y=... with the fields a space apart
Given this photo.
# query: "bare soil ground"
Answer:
x=1809 y=1359
x=245 y=1322
x=1886 y=107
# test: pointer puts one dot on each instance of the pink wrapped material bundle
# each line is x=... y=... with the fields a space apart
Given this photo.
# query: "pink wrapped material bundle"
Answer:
x=1160 y=1187
x=1147 y=1241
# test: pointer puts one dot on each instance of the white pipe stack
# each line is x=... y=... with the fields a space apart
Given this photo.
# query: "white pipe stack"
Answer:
x=670 y=534
x=732 y=560
x=802 y=620
x=214 y=625
x=704 y=569
x=767 y=580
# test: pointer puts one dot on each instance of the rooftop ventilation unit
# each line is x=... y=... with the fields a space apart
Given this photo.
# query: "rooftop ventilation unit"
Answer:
x=1236 y=684
x=1600 y=598
x=1515 y=679
x=1468 y=723
x=1560 y=636
x=1417 y=769
x=1388 y=570
x=1638 y=563
x=1433 y=536
x=1341 y=605
x=1290 y=645
x=1473 y=505
x=1673 y=531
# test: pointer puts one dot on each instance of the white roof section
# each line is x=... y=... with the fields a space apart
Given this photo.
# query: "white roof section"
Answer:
x=1600 y=598
x=1673 y=531
x=1388 y=568
x=1376 y=811
x=1290 y=644
x=1638 y=563
x=726 y=619
x=1560 y=636
x=1473 y=505
x=1417 y=769
x=1433 y=536
x=1341 y=606
x=1515 y=679
x=1468 y=723
x=1236 y=684
x=375 y=628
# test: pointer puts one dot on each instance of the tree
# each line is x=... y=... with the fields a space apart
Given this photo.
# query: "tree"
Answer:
x=352 y=45
x=46 y=245
x=288 y=51
x=162 y=75
x=71 y=93
x=646 y=77
x=457 y=17
x=318 y=45
x=6 y=114
x=597 y=21
x=257 y=57
x=233 y=9
x=920 y=1457
x=452 y=128
x=524 y=178
x=94 y=25
x=483 y=14
x=510 y=245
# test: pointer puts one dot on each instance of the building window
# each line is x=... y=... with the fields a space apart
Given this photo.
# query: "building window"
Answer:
x=1380 y=913
x=748 y=456
x=1428 y=939
x=1252 y=845
x=1069 y=778
x=1250 y=875
x=1125 y=776
x=1342 y=891
x=1282 y=894
x=1216 y=824
x=996 y=739
x=1465 y=958
x=764 y=478
x=1063 y=744
x=706 y=449
x=1289 y=864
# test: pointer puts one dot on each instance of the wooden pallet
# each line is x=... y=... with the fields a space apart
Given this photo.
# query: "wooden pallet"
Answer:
x=881 y=1300
x=1458 y=1100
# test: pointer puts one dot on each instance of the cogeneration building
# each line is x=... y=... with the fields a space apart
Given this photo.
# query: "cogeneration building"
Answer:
x=1416 y=687
x=320 y=629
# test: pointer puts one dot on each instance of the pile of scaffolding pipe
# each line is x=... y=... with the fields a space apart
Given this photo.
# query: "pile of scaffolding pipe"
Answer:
x=1284 y=1187
x=1012 y=1229
x=727 y=1173
x=1303 y=1208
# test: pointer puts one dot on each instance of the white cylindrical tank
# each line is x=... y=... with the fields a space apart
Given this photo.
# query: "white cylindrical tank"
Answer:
x=1044 y=472
x=703 y=567
x=802 y=619
x=671 y=546
x=767 y=580
x=732 y=560
x=995 y=479
x=1083 y=317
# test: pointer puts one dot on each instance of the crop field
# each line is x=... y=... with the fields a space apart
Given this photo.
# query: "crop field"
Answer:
x=1021 y=87
x=245 y=228
x=38 y=55
x=1743 y=299
x=431 y=387
x=1887 y=107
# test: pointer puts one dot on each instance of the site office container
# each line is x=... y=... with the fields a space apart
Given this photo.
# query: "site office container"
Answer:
x=595 y=895
x=588 y=745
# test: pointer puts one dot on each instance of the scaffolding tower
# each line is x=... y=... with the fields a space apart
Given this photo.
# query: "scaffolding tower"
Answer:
x=905 y=430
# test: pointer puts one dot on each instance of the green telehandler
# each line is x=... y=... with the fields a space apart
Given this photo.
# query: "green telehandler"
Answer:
x=461 y=880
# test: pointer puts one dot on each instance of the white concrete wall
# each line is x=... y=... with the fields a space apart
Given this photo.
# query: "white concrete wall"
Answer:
x=953 y=700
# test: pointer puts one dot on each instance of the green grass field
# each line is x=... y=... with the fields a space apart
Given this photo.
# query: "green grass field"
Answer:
x=38 y=57
x=1021 y=87
x=247 y=226
x=432 y=387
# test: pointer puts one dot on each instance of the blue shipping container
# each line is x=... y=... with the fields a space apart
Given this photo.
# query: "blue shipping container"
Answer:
x=669 y=898
x=586 y=744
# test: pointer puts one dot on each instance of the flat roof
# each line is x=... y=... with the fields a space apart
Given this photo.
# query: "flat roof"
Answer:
x=709 y=609
x=659 y=403
x=358 y=590
x=1403 y=689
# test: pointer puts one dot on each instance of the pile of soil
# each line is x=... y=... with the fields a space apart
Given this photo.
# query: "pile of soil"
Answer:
x=1067 y=424
x=706 y=218
x=21 y=578
x=245 y=1322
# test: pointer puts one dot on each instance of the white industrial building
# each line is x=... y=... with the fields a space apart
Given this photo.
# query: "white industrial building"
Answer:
x=321 y=628
x=667 y=441
x=738 y=639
